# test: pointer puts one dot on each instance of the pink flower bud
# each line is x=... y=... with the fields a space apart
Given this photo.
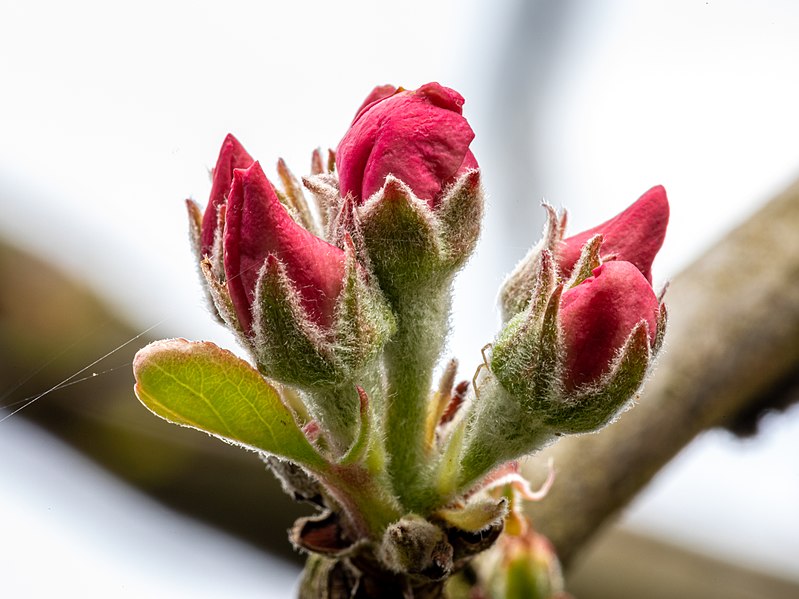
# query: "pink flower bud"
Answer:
x=420 y=137
x=598 y=315
x=634 y=235
x=257 y=226
x=232 y=155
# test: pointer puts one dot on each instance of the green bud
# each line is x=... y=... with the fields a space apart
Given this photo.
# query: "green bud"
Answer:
x=414 y=545
x=527 y=568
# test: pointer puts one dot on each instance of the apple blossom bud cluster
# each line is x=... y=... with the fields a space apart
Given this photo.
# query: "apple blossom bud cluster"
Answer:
x=582 y=332
x=339 y=287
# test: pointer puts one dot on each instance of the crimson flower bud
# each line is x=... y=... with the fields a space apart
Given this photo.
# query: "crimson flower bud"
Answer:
x=420 y=137
x=598 y=315
x=635 y=235
x=305 y=308
x=232 y=155
x=568 y=363
x=257 y=226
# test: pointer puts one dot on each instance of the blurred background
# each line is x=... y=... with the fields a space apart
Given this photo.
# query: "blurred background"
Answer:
x=112 y=114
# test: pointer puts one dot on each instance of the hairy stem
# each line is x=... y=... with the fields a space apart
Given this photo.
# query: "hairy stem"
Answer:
x=410 y=358
x=495 y=434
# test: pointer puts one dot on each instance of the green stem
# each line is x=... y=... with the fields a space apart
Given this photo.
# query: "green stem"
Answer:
x=498 y=429
x=368 y=505
x=410 y=358
x=337 y=407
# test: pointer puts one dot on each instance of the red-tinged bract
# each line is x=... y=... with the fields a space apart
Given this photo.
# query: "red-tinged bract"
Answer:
x=598 y=315
x=419 y=136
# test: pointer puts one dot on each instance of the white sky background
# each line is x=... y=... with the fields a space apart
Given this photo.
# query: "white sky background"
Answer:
x=111 y=114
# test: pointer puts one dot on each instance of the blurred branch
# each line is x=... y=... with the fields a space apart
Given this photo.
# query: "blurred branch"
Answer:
x=732 y=351
x=625 y=565
x=53 y=326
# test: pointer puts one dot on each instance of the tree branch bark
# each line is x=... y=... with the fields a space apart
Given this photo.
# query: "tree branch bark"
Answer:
x=732 y=345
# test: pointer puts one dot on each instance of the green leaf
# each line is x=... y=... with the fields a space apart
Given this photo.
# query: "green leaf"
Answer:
x=200 y=385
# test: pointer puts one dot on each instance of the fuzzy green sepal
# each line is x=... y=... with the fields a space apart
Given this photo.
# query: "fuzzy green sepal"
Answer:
x=413 y=248
x=459 y=215
x=515 y=293
x=403 y=241
x=327 y=364
x=525 y=357
x=288 y=346
x=596 y=406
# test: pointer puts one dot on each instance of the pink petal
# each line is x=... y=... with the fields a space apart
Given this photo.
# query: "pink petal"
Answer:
x=258 y=225
x=232 y=155
x=378 y=93
x=599 y=314
x=634 y=235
